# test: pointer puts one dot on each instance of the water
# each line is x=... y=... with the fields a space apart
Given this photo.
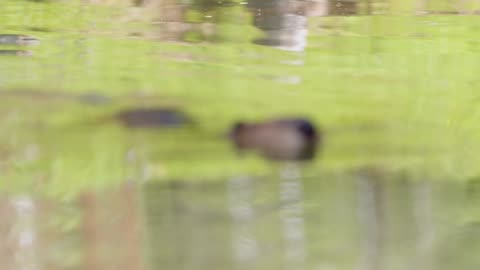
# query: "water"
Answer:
x=360 y=220
x=391 y=85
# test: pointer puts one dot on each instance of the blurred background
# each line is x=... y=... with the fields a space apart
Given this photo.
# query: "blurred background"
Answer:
x=392 y=84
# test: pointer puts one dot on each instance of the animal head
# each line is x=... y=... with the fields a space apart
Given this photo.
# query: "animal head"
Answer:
x=237 y=134
x=307 y=129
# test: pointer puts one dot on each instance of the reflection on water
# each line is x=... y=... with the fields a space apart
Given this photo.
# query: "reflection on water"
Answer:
x=271 y=224
x=371 y=214
x=11 y=39
x=15 y=52
x=111 y=229
x=293 y=221
x=390 y=91
x=362 y=220
x=19 y=243
x=244 y=244
x=282 y=22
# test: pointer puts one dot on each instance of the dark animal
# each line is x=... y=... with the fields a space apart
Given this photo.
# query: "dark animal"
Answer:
x=280 y=140
x=152 y=118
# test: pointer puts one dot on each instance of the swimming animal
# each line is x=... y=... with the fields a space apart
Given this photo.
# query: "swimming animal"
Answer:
x=286 y=139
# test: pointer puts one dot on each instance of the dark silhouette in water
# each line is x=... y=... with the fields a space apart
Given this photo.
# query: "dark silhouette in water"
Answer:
x=152 y=118
x=281 y=139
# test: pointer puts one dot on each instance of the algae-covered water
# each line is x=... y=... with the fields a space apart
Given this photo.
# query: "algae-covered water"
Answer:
x=392 y=86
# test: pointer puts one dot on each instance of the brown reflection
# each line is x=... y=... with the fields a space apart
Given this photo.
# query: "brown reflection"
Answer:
x=345 y=7
x=39 y=233
x=112 y=233
x=172 y=19
x=7 y=247
x=26 y=232
x=18 y=234
x=283 y=22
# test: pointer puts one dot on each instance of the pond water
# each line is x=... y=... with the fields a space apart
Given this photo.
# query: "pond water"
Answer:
x=368 y=219
x=391 y=85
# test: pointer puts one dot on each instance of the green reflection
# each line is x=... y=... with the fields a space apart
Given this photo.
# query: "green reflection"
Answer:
x=395 y=91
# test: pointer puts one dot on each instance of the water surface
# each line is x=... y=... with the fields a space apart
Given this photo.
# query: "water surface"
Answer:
x=392 y=86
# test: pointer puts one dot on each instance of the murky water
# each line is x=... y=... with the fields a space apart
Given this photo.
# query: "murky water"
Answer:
x=361 y=220
x=115 y=119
